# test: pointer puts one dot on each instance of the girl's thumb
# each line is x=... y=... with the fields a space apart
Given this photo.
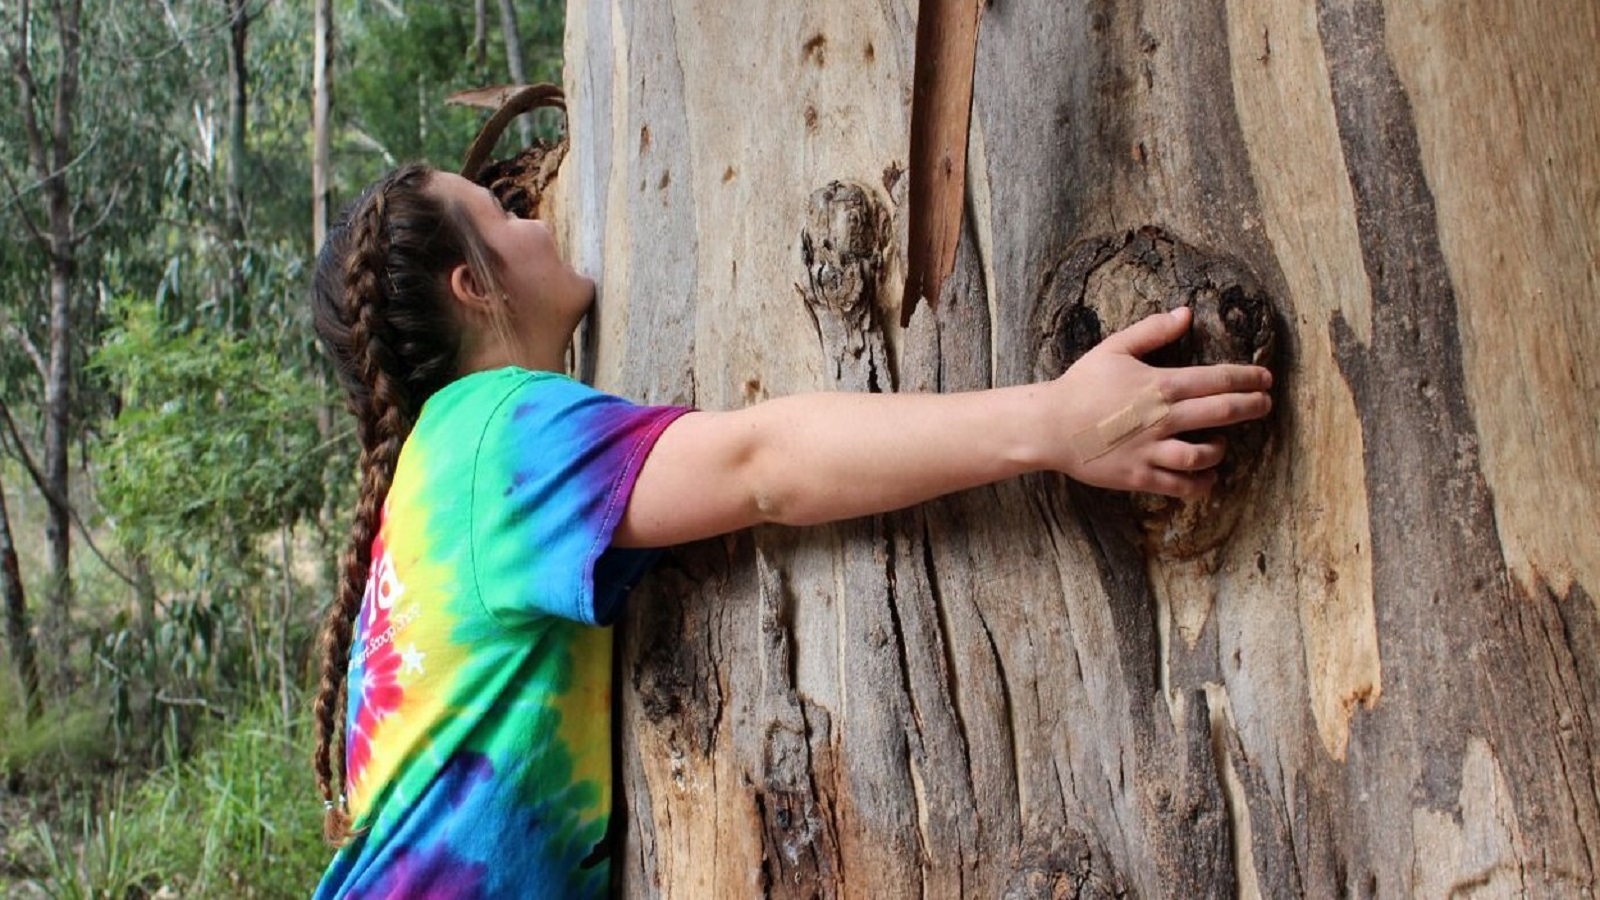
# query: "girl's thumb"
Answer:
x=1150 y=333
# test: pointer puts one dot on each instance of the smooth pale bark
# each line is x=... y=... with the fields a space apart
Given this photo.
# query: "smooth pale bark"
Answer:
x=1369 y=668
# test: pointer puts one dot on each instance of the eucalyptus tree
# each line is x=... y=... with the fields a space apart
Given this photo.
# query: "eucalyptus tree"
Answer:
x=1365 y=666
x=44 y=52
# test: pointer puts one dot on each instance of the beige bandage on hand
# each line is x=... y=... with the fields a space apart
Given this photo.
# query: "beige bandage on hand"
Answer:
x=1146 y=411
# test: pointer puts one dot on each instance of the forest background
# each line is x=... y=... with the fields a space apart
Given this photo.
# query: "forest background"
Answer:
x=175 y=469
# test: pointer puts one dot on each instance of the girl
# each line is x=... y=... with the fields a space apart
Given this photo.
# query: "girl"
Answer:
x=503 y=507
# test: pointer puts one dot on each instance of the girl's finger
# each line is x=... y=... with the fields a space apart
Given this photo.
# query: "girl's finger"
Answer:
x=1204 y=381
x=1183 y=456
x=1149 y=333
x=1216 y=411
x=1183 y=485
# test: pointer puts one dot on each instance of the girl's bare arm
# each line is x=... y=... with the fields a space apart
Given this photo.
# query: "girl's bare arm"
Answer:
x=1108 y=421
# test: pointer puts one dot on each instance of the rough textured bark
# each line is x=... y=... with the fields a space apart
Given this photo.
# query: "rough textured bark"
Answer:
x=1367 y=668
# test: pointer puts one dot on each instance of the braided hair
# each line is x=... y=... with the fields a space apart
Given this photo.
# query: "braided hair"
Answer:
x=382 y=312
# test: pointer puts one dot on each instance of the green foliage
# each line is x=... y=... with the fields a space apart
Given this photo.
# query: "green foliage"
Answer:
x=216 y=443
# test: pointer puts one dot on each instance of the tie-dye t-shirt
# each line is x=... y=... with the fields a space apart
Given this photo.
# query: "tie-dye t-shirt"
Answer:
x=479 y=728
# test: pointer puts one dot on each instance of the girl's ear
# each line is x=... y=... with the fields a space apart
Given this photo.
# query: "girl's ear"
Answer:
x=469 y=290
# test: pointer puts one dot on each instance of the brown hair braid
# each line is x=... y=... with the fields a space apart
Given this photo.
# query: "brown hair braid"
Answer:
x=382 y=313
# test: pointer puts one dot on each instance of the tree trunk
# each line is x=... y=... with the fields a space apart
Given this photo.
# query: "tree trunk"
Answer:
x=1368 y=666
x=57 y=440
x=321 y=138
x=480 y=39
x=512 y=33
x=50 y=153
x=239 y=308
x=19 y=634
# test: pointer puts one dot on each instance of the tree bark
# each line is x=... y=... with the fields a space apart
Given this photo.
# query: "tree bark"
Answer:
x=1367 y=666
x=480 y=38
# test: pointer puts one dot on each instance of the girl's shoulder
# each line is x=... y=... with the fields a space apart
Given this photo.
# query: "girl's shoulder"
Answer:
x=479 y=394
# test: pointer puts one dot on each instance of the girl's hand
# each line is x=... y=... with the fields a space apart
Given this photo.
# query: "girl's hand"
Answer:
x=1118 y=416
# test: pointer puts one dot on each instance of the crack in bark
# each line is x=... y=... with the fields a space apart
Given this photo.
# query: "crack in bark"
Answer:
x=1010 y=711
x=1578 y=603
x=797 y=846
x=913 y=727
x=1558 y=692
x=942 y=620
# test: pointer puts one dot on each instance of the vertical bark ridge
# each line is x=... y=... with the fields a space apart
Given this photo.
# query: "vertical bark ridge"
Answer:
x=661 y=300
x=1454 y=667
x=1272 y=850
x=944 y=637
x=799 y=841
x=1183 y=824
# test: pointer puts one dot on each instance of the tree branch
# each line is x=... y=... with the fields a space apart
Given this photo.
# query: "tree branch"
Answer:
x=84 y=234
x=22 y=211
x=28 y=347
x=198 y=702
x=21 y=453
x=30 y=88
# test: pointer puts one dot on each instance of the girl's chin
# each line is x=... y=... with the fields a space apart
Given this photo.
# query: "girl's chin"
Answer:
x=586 y=292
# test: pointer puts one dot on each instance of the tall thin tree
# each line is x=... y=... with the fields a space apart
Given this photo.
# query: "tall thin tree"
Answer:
x=239 y=17
x=321 y=141
x=511 y=30
x=49 y=126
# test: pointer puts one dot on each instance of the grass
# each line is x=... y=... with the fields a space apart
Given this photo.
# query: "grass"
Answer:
x=238 y=819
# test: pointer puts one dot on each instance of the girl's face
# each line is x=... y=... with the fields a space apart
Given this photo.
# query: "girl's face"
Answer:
x=545 y=297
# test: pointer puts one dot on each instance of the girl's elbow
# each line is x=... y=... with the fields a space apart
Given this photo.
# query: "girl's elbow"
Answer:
x=775 y=500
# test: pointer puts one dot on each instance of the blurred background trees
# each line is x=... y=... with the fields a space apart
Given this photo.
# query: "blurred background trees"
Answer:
x=172 y=460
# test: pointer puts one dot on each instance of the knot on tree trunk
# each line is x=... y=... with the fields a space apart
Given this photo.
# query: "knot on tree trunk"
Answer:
x=841 y=248
x=1108 y=282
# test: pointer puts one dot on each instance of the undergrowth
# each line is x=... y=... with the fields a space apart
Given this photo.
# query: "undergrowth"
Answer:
x=238 y=818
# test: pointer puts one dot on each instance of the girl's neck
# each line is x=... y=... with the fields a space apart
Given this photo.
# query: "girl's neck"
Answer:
x=497 y=355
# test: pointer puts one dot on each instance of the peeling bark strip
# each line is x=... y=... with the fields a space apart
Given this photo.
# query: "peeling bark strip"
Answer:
x=941 y=110
x=1462 y=655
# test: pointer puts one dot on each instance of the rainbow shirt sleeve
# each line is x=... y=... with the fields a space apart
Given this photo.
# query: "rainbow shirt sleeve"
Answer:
x=478 y=736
